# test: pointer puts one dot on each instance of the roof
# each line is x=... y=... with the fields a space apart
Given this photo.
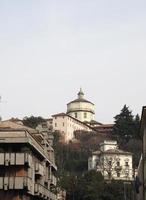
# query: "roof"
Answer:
x=96 y=152
x=116 y=151
x=80 y=100
x=95 y=122
x=105 y=126
x=59 y=114
x=13 y=125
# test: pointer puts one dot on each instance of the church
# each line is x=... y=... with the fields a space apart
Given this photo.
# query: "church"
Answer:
x=80 y=116
x=81 y=108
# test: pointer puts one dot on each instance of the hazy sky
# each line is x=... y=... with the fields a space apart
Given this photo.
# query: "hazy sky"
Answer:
x=49 y=48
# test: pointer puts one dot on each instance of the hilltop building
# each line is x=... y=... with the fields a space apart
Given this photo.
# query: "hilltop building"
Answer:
x=80 y=116
x=112 y=162
x=27 y=164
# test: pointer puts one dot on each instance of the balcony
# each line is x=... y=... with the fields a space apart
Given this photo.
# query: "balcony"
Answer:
x=53 y=196
x=18 y=183
x=53 y=180
x=15 y=159
x=39 y=169
x=118 y=168
x=43 y=192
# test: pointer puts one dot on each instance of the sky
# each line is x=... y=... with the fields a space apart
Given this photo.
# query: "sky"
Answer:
x=51 y=48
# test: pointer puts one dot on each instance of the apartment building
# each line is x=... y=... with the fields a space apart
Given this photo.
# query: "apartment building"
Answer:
x=27 y=165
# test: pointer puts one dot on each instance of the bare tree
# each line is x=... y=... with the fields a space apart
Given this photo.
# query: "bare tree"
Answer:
x=111 y=168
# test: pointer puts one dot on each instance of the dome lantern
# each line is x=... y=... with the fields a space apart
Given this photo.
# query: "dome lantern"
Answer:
x=80 y=94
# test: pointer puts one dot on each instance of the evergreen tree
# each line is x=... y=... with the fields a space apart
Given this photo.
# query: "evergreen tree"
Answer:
x=137 y=126
x=125 y=124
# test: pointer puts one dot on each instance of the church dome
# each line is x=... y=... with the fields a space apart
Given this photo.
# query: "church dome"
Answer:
x=81 y=108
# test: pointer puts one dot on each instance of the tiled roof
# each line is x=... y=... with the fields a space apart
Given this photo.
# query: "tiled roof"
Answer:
x=105 y=126
x=59 y=114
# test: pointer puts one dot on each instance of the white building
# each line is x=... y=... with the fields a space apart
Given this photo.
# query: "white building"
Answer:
x=66 y=125
x=81 y=109
x=112 y=162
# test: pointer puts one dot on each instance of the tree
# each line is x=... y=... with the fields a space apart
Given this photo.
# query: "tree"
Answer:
x=137 y=126
x=32 y=121
x=126 y=126
x=91 y=186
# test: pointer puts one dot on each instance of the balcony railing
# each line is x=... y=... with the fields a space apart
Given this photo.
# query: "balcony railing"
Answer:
x=15 y=159
x=18 y=183
x=43 y=192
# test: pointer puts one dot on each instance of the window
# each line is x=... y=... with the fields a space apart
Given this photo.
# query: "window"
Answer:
x=118 y=163
x=85 y=115
x=110 y=162
x=76 y=115
x=109 y=174
x=55 y=124
x=118 y=174
x=126 y=164
x=63 y=124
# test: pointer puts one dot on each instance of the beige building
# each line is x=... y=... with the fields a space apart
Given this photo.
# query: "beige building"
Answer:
x=81 y=109
x=67 y=125
x=112 y=162
x=27 y=165
x=79 y=117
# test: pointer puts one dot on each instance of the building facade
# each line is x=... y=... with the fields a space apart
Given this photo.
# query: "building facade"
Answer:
x=27 y=165
x=142 y=164
x=67 y=125
x=112 y=162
